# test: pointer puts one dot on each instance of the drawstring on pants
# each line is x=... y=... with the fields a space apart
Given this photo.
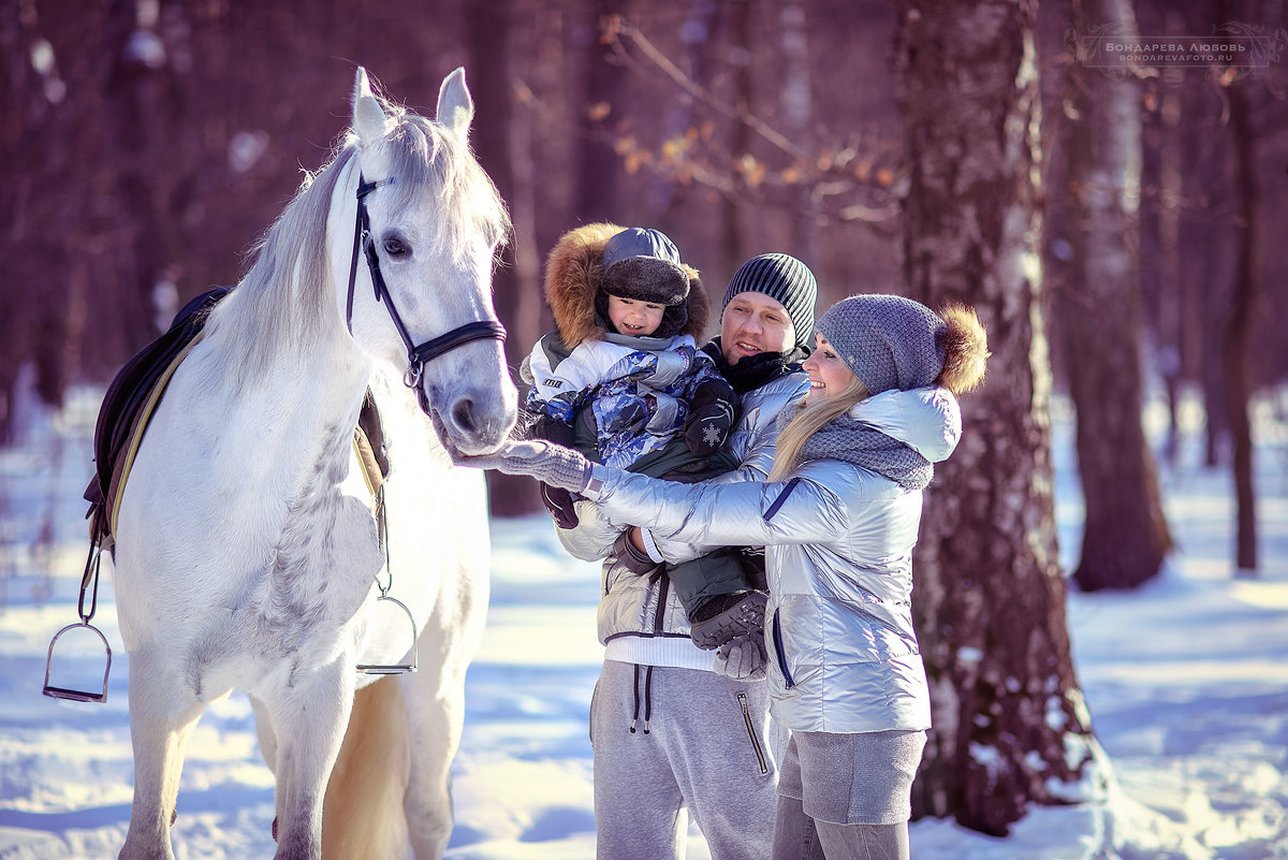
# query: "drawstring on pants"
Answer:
x=648 y=698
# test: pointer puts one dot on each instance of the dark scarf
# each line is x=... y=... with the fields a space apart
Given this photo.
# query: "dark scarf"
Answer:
x=755 y=370
x=852 y=441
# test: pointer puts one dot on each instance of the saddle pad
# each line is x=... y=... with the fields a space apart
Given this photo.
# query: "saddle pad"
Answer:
x=128 y=406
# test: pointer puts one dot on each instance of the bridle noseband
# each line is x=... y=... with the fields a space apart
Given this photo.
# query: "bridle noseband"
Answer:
x=417 y=355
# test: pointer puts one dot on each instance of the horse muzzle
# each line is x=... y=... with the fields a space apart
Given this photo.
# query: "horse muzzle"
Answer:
x=474 y=419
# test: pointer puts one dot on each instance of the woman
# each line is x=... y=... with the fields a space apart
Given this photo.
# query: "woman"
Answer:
x=839 y=518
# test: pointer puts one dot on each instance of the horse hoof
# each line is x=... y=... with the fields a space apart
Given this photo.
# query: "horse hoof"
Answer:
x=274 y=828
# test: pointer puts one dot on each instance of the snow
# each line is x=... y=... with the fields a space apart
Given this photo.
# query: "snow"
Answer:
x=1186 y=681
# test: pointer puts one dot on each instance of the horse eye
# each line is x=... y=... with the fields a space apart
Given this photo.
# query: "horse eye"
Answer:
x=395 y=247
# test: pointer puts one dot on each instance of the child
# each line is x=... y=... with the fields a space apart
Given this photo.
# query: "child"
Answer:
x=623 y=381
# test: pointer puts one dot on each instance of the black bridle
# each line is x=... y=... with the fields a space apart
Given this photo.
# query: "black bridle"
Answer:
x=417 y=355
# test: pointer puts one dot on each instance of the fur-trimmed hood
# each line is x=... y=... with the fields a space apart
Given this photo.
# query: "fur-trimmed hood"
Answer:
x=573 y=272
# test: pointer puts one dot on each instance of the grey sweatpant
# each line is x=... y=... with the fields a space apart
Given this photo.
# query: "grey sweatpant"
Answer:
x=700 y=745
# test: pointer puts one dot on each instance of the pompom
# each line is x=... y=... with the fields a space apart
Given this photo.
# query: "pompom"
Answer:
x=965 y=349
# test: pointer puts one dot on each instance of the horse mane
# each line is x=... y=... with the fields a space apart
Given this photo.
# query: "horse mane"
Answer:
x=286 y=297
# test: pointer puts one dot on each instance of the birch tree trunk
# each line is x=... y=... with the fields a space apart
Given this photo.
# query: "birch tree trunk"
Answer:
x=1125 y=536
x=1010 y=727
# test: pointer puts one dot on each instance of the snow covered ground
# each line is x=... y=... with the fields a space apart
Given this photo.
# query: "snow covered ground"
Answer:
x=1187 y=681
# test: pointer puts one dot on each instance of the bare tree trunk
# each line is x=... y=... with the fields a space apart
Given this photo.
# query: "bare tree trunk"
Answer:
x=1009 y=721
x=598 y=165
x=733 y=239
x=1173 y=287
x=1125 y=536
x=697 y=34
x=798 y=116
x=1238 y=326
x=489 y=26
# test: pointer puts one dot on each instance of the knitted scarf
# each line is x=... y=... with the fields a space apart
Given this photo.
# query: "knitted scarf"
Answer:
x=852 y=441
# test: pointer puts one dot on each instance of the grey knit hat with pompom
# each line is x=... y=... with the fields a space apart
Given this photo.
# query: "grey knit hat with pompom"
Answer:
x=887 y=341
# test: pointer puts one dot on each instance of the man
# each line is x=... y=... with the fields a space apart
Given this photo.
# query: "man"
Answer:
x=672 y=726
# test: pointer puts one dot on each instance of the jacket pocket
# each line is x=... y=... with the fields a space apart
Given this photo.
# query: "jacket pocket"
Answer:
x=779 y=653
x=751 y=733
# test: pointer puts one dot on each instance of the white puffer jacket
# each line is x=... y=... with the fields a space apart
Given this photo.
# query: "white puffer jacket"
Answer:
x=839 y=540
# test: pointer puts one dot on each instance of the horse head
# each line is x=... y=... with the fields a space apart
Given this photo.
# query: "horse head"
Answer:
x=430 y=224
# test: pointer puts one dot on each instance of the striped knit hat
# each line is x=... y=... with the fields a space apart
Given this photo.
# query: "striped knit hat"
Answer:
x=887 y=341
x=785 y=279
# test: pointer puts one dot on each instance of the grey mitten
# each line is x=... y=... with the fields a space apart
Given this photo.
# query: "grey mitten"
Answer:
x=548 y=463
x=742 y=659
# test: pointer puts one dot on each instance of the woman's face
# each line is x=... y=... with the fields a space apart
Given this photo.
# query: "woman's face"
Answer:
x=828 y=375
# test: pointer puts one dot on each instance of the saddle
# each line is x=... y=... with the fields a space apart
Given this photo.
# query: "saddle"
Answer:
x=132 y=399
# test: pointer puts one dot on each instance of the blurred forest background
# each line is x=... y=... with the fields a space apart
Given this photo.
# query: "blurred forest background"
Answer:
x=1115 y=229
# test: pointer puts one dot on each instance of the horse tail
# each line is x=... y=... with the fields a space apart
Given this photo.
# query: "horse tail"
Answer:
x=362 y=816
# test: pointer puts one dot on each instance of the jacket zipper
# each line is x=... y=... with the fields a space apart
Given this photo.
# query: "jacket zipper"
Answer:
x=778 y=652
x=659 y=616
x=751 y=732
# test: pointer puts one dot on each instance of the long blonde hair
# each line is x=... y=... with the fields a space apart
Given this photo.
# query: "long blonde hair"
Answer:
x=807 y=421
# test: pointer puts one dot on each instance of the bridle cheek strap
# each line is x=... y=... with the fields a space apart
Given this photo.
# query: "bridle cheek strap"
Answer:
x=417 y=355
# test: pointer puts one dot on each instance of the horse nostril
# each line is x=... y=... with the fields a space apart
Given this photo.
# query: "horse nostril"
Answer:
x=463 y=415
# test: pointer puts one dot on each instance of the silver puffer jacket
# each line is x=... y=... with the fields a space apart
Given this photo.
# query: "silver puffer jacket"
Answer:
x=632 y=605
x=839 y=539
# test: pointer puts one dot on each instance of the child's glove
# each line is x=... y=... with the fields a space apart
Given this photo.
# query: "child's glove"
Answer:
x=551 y=429
x=558 y=502
x=711 y=415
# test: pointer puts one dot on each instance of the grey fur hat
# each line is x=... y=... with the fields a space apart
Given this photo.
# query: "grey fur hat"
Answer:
x=887 y=341
x=644 y=264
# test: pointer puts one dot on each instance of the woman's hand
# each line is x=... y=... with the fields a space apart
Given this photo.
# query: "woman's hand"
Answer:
x=548 y=463
x=743 y=659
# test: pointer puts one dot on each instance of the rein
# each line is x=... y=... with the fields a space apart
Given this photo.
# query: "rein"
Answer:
x=417 y=354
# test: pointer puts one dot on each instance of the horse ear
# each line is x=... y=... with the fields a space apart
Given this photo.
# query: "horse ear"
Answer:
x=455 y=107
x=368 y=116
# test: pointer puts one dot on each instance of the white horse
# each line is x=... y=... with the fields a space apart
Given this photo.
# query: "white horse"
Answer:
x=246 y=545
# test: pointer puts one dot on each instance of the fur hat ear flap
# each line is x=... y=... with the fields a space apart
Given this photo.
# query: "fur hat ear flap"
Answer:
x=698 y=306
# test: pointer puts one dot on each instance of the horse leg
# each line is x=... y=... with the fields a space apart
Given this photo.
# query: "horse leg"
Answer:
x=435 y=715
x=163 y=712
x=435 y=709
x=309 y=718
x=363 y=815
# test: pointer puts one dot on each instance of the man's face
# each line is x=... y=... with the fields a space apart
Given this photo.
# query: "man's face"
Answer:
x=753 y=323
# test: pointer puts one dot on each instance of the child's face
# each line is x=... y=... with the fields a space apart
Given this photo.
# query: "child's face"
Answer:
x=634 y=318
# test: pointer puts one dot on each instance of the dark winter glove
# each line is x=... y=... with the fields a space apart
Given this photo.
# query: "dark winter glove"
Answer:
x=551 y=429
x=634 y=560
x=559 y=502
x=711 y=414
x=549 y=464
